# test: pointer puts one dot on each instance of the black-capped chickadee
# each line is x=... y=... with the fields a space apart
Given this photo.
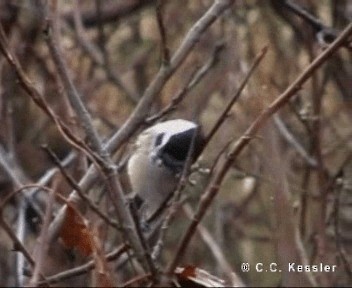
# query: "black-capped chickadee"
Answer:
x=158 y=160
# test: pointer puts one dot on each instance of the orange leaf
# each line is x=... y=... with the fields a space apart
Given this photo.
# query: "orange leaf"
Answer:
x=75 y=233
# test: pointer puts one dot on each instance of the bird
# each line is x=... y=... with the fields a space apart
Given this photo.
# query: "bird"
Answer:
x=159 y=157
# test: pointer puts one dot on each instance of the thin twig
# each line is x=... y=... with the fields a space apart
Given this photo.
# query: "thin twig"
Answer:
x=136 y=281
x=42 y=246
x=237 y=94
x=21 y=233
x=165 y=52
x=191 y=83
x=334 y=182
x=17 y=177
x=305 y=15
x=18 y=246
x=17 y=243
x=87 y=46
x=111 y=71
x=77 y=188
x=290 y=138
x=49 y=174
x=10 y=131
x=99 y=58
x=325 y=34
x=322 y=174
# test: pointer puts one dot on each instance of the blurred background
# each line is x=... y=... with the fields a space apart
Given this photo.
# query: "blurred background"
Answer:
x=294 y=178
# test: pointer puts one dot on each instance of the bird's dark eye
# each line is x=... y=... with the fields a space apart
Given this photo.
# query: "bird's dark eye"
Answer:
x=159 y=139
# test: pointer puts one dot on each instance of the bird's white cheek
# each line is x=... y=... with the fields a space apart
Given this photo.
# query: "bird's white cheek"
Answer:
x=137 y=172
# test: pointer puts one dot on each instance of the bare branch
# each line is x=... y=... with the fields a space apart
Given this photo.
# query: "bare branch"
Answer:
x=42 y=246
x=17 y=242
x=76 y=187
x=88 y=46
x=163 y=39
x=237 y=94
x=304 y=14
x=324 y=33
x=289 y=137
x=191 y=83
x=111 y=72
